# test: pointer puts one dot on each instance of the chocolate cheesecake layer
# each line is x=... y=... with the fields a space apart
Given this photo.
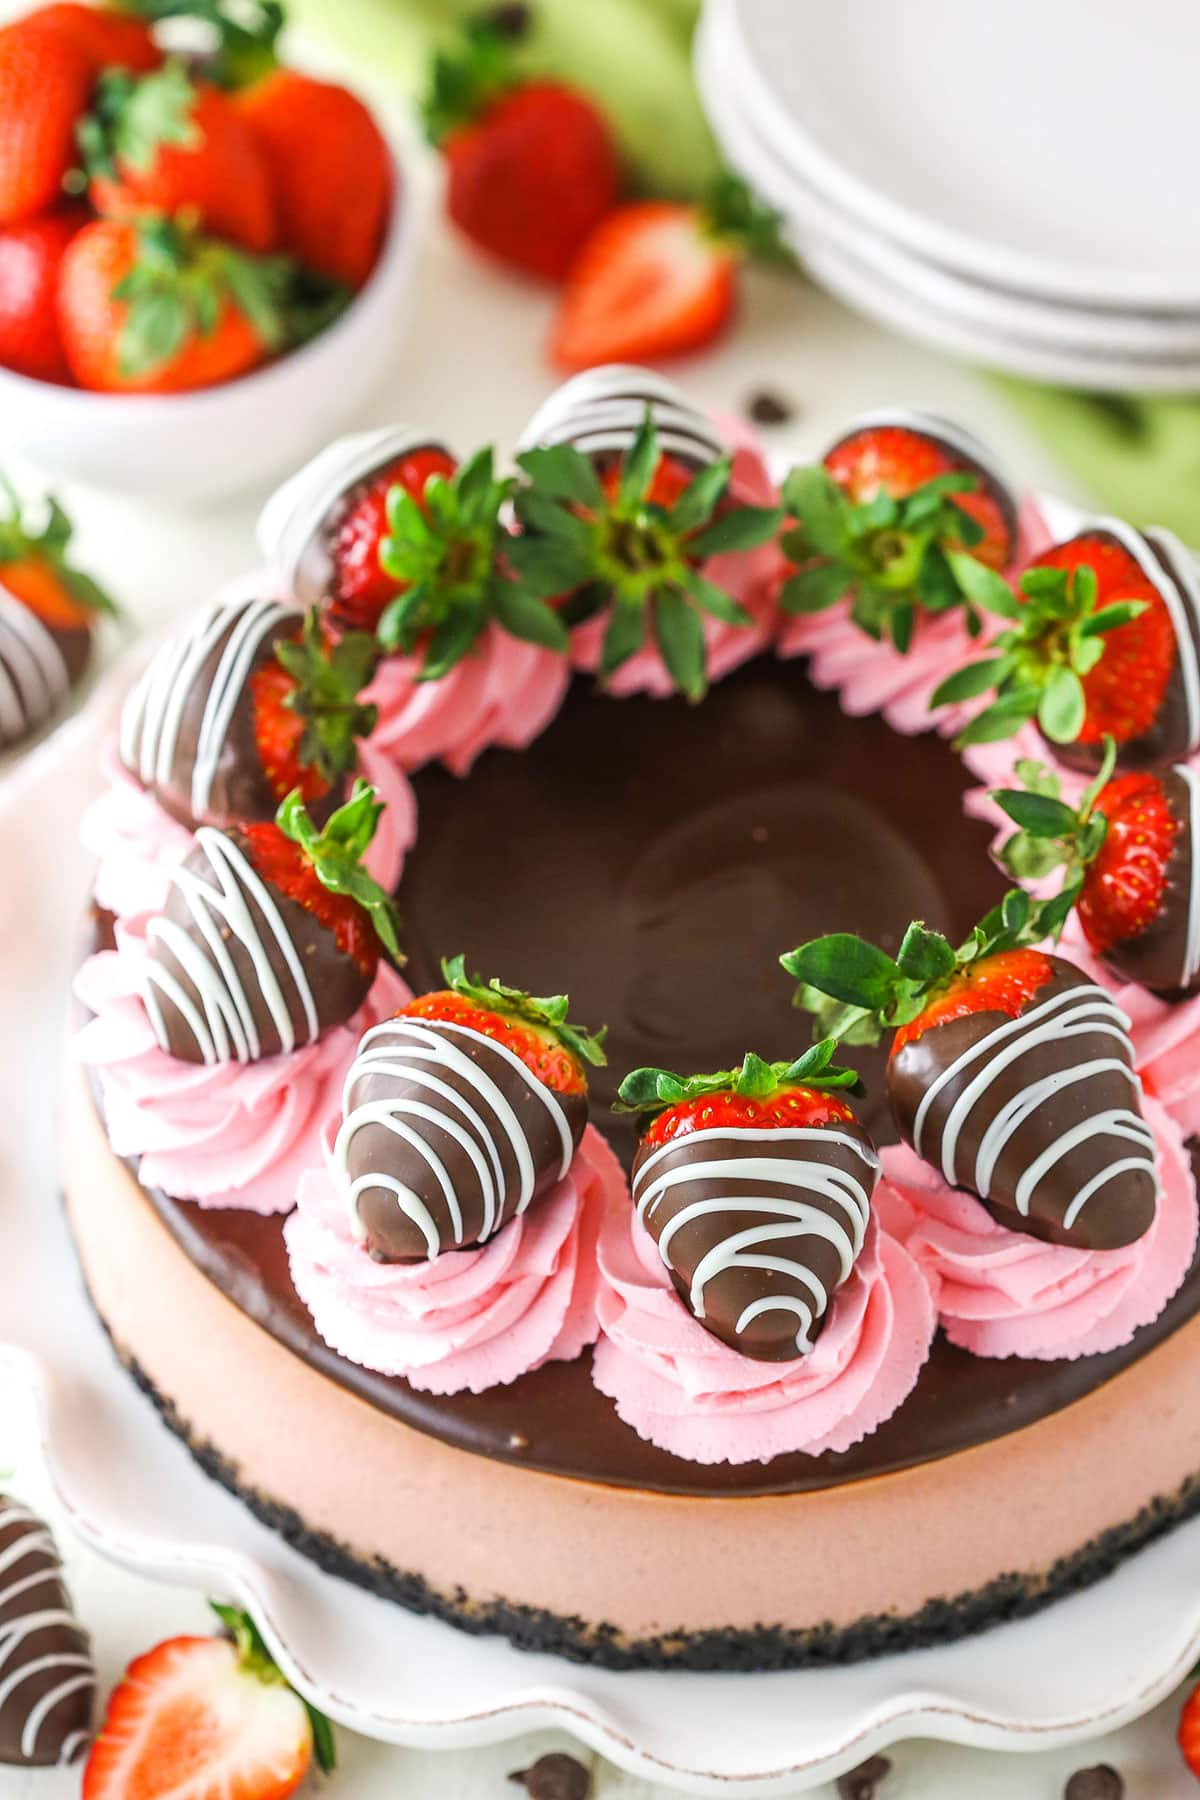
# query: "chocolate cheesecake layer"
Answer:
x=655 y=858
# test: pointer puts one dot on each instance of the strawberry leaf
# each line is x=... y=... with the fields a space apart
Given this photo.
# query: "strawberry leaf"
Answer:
x=652 y=1091
x=563 y=473
x=528 y=618
x=848 y=969
x=968 y=682
x=1062 y=706
x=743 y=528
x=815 y=588
x=680 y=639
x=336 y=856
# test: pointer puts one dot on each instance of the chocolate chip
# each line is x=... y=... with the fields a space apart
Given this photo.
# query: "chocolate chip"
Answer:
x=513 y=22
x=861 y=1783
x=1100 y=1783
x=555 y=1777
x=767 y=408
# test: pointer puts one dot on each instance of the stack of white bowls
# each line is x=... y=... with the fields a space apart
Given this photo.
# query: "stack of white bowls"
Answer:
x=1013 y=184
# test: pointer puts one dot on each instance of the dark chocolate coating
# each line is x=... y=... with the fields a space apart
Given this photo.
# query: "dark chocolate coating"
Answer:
x=1157 y=956
x=46 y=1713
x=337 y=983
x=37 y=671
x=773 y=1335
x=241 y=790
x=415 y=1048
x=1121 y=1210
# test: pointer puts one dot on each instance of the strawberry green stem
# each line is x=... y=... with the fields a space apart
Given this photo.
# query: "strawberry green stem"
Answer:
x=652 y=1091
x=548 y=1011
x=336 y=855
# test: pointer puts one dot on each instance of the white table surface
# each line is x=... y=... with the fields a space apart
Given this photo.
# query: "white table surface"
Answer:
x=471 y=367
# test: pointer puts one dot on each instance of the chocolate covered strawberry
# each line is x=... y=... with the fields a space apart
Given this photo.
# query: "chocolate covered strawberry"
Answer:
x=325 y=528
x=906 y=515
x=1128 y=852
x=628 y=536
x=1103 y=641
x=47 y=1676
x=600 y=412
x=460 y=1113
x=756 y=1184
x=247 y=704
x=272 y=934
x=209 y=1718
x=48 y=612
x=1009 y=1070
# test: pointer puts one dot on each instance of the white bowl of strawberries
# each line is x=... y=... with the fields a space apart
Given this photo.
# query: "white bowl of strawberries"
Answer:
x=203 y=260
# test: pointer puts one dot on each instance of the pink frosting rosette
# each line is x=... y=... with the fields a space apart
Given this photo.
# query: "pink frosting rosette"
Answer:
x=682 y=1389
x=503 y=692
x=1002 y=1293
x=871 y=677
x=230 y=1134
x=136 y=844
x=470 y=1319
x=751 y=576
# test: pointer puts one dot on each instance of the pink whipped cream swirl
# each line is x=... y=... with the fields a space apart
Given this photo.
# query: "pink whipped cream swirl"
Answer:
x=470 y=1319
x=235 y=1134
x=503 y=692
x=1001 y=1293
x=752 y=577
x=682 y=1389
x=872 y=677
x=136 y=844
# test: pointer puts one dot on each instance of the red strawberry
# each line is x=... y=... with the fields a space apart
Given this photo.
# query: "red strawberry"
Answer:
x=1128 y=852
x=1189 y=1732
x=331 y=169
x=45 y=83
x=509 y=1063
x=150 y=308
x=206 y=1717
x=108 y=38
x=1010 y=1072
x=302 y=905
x=164 y=142
x=898 y=459
x=31 y=256
x=531 y=165
x=360 y=588
x=734 y=1215
x=1103 y=643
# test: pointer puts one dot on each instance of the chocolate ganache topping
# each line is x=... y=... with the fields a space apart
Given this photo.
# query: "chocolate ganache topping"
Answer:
x=459 y=1114
x=756 y=1186
x=47 y=1677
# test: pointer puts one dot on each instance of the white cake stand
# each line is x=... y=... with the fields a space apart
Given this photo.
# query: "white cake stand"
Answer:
x=1085 y=1666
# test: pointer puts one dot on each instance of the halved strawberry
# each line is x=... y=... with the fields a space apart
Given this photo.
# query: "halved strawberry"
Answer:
x=1009 y=1071
x=1189 y=1732
x=1128 y=857
x=758 y=1217
x=209 y=1718
x=657 y=278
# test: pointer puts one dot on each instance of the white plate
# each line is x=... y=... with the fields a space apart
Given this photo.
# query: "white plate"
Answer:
x=815 y=220
x=1045 y=145
x=1087 y=1665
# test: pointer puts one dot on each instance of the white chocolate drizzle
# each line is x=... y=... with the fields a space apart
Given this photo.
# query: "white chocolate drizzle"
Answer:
x=33 y=1542
x=1078 y=1012
x=796 y=1216
x=223 y=1023
x=154 y=712
x=420 y=1053
x=601 y=410
x=34 y=678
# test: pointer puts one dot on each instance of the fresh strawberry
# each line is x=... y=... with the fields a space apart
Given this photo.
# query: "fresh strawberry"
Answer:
x=303 y=908
x=632 y=538
x=168 y=143
x=513 y=1069
x=1091 y=652
x=1128 y=855
x=715 y=1202
x=212 y=1718
x=448 y=555
x=361 y=588
x=536 y=1030
x=45 y=84
x=986 y=1037
x=331 y=169
x=1189 y=1732
x=148 y=307
x=108 y=38
x=531 y=166
x=31 y=256
x=906 y=516
x=657 y=278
